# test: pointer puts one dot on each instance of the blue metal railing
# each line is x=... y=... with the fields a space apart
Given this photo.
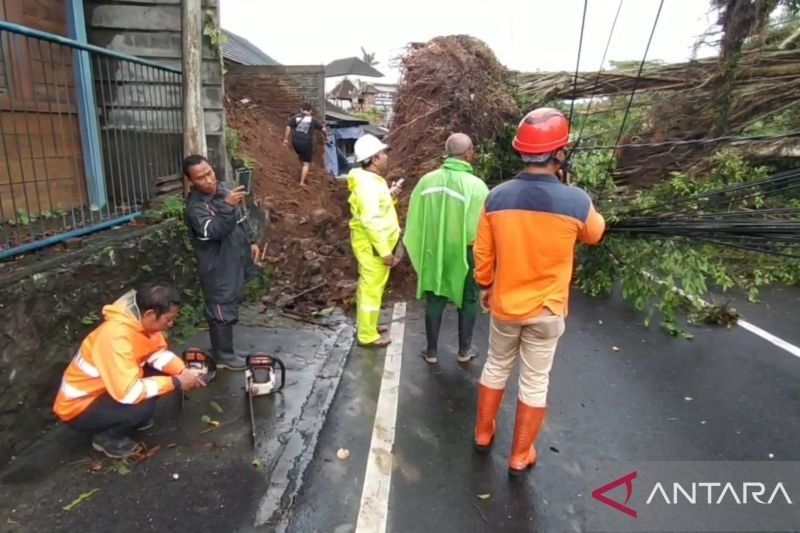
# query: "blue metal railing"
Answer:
x=87 y=136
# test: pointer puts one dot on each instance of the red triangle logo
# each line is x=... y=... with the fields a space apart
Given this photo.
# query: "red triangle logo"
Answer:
x=627 y=480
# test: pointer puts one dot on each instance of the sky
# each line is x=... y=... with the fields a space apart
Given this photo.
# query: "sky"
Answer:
x=526 y=35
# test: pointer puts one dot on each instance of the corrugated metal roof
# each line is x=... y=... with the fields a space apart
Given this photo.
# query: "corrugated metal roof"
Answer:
x=240 y=50
x=378 y=131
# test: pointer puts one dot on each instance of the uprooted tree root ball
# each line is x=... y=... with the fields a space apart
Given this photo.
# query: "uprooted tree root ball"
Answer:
x=450 y=84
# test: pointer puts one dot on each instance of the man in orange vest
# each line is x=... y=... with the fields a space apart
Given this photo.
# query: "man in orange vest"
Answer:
x=105 y=389
x=523 y=265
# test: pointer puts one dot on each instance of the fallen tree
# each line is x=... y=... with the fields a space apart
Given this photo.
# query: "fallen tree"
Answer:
x=450 y=84
x=441 y=92
x=758 y=71
x=672 y=245
x=750 y=87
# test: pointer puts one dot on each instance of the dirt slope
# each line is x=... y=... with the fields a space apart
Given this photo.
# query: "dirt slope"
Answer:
x=307 y=238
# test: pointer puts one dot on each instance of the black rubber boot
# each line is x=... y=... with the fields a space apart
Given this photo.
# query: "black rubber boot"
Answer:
x=434 y=310
x=466 y=325
x=222 y=346
x=113 y=444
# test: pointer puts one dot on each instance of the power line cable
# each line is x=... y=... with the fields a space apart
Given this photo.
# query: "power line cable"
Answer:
x=596 y=79
x=578 y=61
x=639 y=73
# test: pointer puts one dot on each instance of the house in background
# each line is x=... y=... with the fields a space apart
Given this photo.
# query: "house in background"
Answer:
x=385 y=95
x=342 y=94
x=364 y=97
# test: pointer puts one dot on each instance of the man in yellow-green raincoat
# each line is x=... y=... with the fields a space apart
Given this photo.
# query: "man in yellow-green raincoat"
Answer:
x=374 y=234
x=441 y=225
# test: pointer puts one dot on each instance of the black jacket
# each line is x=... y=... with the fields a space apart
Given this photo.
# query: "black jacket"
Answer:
x=222 y=238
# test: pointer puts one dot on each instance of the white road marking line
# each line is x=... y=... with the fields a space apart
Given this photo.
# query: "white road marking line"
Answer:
x=378 y=479
x=766 y=335
x=752 y=328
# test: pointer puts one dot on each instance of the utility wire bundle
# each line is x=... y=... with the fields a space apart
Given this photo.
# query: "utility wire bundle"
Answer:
x=740 y=216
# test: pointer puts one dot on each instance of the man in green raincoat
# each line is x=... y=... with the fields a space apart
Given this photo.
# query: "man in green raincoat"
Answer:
x=440 y=228
x=374 y=235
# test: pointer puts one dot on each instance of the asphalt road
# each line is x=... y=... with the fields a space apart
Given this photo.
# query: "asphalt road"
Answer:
x=727 y=394
x=200 y=477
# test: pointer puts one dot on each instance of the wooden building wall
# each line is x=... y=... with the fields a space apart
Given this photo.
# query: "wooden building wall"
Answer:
x=41 y=166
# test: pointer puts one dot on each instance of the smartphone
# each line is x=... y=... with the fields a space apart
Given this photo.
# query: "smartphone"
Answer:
x=245 y=178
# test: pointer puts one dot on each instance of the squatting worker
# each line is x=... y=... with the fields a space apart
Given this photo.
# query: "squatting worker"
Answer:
x=374 y=234
x=301 y=128
x=523 y=265
x=111 y=385
x=440 y=229
x=226 y=254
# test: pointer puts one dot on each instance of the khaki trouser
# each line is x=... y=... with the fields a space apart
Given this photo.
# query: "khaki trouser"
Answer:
x=535 y=341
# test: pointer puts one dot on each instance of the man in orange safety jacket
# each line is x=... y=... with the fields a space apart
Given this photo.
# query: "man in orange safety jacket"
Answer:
x=105 y=389
x=523 y=265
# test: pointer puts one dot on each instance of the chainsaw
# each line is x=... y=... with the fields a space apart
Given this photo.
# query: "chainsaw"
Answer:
x=264 y=375
x=197 y=359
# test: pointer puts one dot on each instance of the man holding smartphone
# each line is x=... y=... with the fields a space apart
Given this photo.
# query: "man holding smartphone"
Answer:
x=226 y=253
x=442 y=220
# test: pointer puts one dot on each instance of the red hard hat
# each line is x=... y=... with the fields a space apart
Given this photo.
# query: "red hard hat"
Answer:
x=543 y=130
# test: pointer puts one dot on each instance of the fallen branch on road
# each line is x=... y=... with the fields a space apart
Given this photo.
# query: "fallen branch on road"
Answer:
x=287 y=301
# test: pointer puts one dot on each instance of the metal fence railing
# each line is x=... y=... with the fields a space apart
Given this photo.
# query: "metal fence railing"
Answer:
x=87 y=136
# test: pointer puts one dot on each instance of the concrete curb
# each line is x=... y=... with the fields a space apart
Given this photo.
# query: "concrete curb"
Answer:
x=300 y=443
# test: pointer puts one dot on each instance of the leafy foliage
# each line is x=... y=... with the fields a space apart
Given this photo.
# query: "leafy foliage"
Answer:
x=373 y=115
x=233 y=139
x=666 y=276
x=494 y=161
x=368 y=57
x=215 y=34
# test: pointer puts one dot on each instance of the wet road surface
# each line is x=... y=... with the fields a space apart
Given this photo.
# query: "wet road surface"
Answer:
x=201 y=478
x=727 y=394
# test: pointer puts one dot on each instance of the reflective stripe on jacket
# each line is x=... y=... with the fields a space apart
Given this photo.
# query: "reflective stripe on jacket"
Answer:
x=442 y=220
x=110 y=360
x=221 y=237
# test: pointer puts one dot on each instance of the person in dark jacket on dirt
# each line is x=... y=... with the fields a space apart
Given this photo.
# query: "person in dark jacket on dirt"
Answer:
x=226 y=254
x=301 y=128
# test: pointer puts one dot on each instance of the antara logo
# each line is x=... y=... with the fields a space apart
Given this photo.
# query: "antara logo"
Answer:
x=627 y=480
x=715 y=493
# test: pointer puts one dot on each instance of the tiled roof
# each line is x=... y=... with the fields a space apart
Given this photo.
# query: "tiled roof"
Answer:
x=240 y=50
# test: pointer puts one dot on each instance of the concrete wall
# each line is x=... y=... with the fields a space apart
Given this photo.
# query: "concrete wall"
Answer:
x=285 y=88
x=48 y=307
x=151 y=29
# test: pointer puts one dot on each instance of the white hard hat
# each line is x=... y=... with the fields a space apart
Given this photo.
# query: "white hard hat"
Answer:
x=367 y=146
